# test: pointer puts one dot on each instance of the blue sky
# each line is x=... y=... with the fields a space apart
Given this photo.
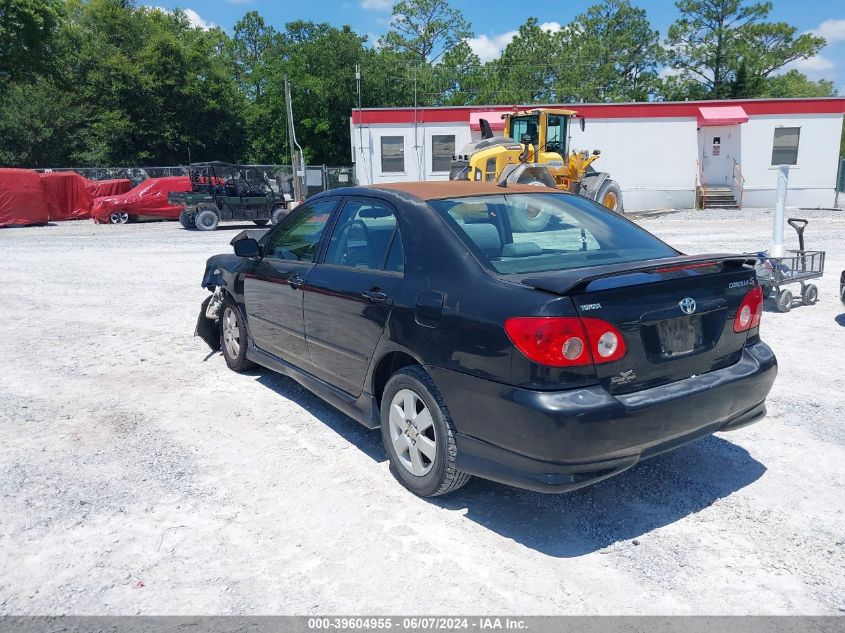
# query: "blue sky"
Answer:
x=495 y=20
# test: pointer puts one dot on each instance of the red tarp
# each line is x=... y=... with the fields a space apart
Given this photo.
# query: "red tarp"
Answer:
x=22 y=199
x=147 y=199
x=111 y=187
x=67 y=195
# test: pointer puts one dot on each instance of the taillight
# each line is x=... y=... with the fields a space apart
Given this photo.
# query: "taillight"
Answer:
x=565 y=341
x=606 y=342
x=750 y=310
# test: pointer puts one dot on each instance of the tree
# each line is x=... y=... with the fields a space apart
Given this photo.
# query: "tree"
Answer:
x=425 y=28
x=530 y=69
x=126 y=86
x=712 y=38
x=613 y=45
x=27 y=28
x=459 y=78
x=795 y=84
x=254 y=50
x=319 y=61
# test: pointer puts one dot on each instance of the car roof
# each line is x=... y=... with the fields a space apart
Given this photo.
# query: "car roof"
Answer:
x=439 y=189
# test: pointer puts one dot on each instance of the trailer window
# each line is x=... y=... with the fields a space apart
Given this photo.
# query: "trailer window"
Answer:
x=392 y=154
x=785 y=146
x=442 y=151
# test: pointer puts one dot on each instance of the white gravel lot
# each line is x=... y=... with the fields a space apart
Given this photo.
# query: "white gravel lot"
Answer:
x=139 y=475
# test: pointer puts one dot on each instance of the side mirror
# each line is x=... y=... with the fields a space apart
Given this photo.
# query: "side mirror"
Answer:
x=582 y=123
x=247 y=247
x=596 y=152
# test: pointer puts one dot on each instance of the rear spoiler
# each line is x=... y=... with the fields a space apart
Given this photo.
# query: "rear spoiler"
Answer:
x=566 y=281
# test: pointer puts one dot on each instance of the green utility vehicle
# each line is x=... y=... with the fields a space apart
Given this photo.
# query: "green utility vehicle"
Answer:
x=222 y=191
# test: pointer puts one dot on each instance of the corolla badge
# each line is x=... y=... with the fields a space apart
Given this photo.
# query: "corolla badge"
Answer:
x=687 y=305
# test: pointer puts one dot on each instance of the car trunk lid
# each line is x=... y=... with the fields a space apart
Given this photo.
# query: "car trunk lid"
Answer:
x=675 y=314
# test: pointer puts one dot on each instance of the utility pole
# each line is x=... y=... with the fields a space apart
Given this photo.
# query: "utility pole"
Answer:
x=417 y=147
x=360 y=156
x=295 y=151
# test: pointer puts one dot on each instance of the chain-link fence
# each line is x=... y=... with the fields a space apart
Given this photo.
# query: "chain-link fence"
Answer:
x=318 y=177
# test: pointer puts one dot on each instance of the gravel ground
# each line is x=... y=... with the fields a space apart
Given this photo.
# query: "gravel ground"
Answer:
x=139 y=475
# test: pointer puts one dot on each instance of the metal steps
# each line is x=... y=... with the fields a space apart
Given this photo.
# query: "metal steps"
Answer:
x=717 y=198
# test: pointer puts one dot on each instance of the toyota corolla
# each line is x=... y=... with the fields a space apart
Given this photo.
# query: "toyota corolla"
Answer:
x=547 y=354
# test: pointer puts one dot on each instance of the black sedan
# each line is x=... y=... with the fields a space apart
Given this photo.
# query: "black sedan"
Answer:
x=548 y=357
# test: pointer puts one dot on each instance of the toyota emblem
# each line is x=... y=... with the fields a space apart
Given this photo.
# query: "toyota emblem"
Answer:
x=687 y=305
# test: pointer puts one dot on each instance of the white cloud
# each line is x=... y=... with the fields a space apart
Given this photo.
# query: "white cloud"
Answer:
x=831 y=30
x=197 y=21
x=815 y=67
x=193 y=17
x=489 y=47
x=377 y=5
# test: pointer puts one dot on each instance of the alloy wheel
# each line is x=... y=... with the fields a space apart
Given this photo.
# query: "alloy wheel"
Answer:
x=119 y=217
x=412 y=432
x=231 y=333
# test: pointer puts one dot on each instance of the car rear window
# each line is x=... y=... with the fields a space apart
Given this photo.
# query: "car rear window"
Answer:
x=529 y=233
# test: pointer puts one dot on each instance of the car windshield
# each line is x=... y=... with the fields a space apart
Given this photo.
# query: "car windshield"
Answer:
x=529 y=233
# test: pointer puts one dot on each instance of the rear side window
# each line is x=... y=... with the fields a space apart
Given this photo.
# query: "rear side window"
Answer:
x=363 y=235
x=528 y=233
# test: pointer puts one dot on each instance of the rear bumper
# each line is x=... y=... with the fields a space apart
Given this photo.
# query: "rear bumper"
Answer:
x=560 y=441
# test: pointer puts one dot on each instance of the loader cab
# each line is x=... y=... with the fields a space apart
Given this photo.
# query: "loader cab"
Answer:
x=547 y=128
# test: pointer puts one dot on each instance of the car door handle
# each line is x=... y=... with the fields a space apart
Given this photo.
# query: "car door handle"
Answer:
x=374 y=296
x=296 y=282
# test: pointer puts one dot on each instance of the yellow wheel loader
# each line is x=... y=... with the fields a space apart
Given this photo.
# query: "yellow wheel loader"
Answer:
x=535 y=150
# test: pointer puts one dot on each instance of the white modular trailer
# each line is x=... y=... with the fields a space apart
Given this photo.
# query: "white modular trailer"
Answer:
x=660 y=153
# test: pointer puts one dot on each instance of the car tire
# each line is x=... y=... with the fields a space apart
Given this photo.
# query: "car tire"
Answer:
x=524 y=222
x=119 y=217
x=413 y=414
x=186 y=218
x=842 y=287
x=810 y=294
x=261 y=222
x=233 y=337
x=279 y=215
x=784 y=300
x=206 y=220
x=610 y=196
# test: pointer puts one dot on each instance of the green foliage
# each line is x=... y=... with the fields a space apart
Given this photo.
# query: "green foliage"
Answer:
x=614 y=46
x=27 y=28
x=795 y=84
x=96 y=82
x=425 y=28
x=714 y=39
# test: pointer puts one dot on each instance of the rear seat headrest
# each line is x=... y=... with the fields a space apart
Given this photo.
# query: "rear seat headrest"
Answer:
x=486 y=238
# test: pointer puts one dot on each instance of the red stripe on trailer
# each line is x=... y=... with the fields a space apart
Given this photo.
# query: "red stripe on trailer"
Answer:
x=675 y=109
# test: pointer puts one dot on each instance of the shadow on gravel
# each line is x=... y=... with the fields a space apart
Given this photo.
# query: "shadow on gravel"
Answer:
x=368 y=442
x=654 y=493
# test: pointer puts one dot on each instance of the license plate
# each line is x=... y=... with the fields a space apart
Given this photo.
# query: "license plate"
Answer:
x=680 y=336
